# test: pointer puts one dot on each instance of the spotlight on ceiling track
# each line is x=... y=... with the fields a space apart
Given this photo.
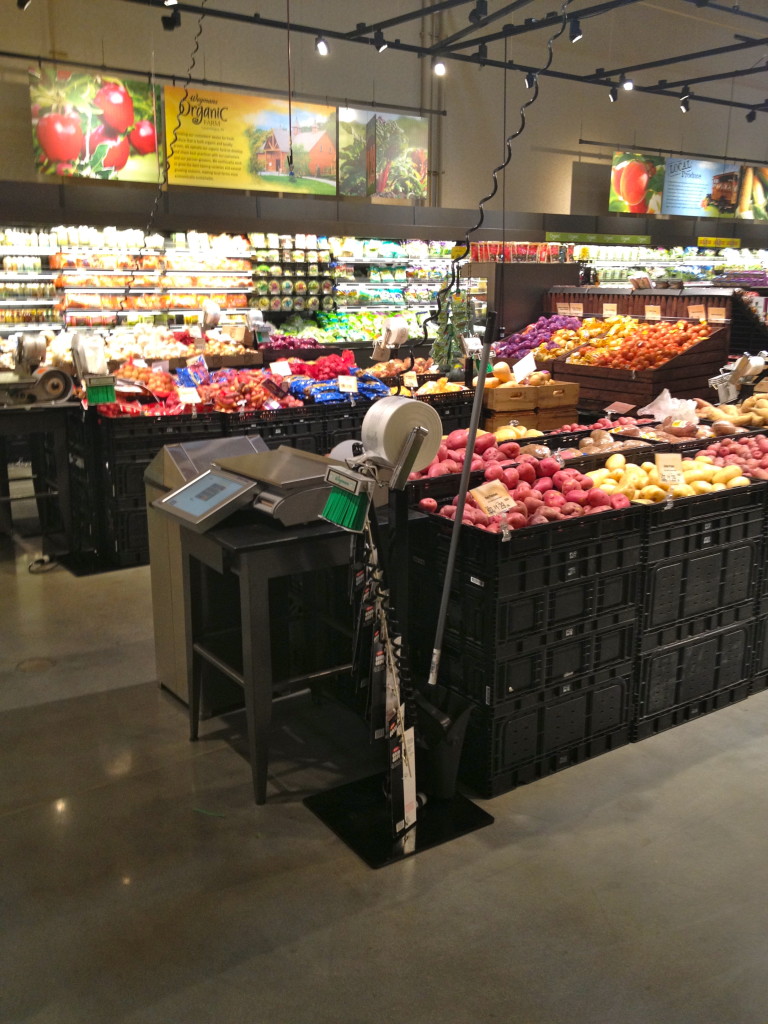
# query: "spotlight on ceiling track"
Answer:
x=685 y=106
x=379 y=41
x=23 y=4
x=479 y=11
x=575 y=33
x=686 y=93
x=626 y=84
x=438 y=67
x=482 y=51
x=171 y=21
x=170 y=3
x=530 y=80
x=613 y=95
x=751 y=115
x=321 y=46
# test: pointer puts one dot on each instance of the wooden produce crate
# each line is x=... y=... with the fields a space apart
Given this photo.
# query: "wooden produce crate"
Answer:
x=528 y=418
x=527 y=397
x=550 y=419
x=686 y=376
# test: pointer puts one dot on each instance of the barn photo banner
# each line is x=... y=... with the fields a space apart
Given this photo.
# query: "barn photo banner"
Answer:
x=95 y=126
x=235 y=140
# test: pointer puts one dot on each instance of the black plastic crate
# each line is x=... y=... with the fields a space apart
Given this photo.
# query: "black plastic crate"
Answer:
x=688 y=629
x=536 y=557
x=702 y=582
x=148 y=434
x=488 y=784
x=707 y=520
x=126 y=537
x=495 y=677
x=653 y=725
x=300 y=427
x=681 y=673
x=760 y=653
x=126 y=479
x=586 y=463
x=440 y=487
x=342 y=423
x=478 y=615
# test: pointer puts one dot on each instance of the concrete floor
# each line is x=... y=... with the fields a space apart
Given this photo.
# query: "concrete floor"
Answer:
x=139 y=884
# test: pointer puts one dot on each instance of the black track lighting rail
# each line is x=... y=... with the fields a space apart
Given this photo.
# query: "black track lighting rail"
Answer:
x=637 y=147
x=511 y=8
x=362 y=29
x=682 y=58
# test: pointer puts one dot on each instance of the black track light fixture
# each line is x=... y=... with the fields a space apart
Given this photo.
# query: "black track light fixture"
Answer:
x=438 y=67
x=171 y=21
x=613 y=95
x=626 y=83
x=751 y=115
x=170 y=3
x=482 y=52
x=478 y=12
x=575 y=33
x=685 y=93
x=685 y=105
x=379 y=41
x=321 y=46
x=23 y=4
x=530 y=80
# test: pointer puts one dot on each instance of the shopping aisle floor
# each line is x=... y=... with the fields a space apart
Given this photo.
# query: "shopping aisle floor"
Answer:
x=141 y=885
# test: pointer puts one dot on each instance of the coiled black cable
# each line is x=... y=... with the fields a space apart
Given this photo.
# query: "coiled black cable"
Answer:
x=454 y=274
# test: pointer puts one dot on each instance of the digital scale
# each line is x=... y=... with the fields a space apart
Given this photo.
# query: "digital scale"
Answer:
x=286 y=484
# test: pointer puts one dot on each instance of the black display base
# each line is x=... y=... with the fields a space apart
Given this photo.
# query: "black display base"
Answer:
x=359 y=815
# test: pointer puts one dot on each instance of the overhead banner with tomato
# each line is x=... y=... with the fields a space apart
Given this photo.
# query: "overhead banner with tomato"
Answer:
x=95 y=126
x=701 y=188
x=637 y=181
x=233 y=140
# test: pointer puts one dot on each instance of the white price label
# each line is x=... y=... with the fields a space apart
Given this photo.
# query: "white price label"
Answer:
x=472 y=346
x=410 y=379
x=524 y=368
x=493 y=498
x=653 y=312
x=610 y=308
x=348 y=384
x=577 y=309
x=281 y=366
x=669 y=465
x=563 y=308
x=697 y=313
x=189 y=396
x=200 y=344
x=717 y=314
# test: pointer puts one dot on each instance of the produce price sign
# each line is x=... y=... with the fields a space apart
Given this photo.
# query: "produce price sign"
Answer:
x=234 y=140
x=717 y=314
x=653 y=312
x=524 y=368
x=281 y=366
x=576 y=309
x=493 y=498
x=610 y=308
x=718 y=243
x=697 y=313
x=94 y=126
x=563 y=308
x=410 y=379
x=189 y=396
x=347 y=384
x=669 y=465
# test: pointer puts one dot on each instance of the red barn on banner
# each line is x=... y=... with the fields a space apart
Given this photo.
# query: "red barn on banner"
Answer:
x=317 y=143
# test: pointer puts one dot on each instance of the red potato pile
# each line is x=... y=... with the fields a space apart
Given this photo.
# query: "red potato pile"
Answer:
x=542 y=491
x=452 y=454
x=601 y=424
x=751 y=453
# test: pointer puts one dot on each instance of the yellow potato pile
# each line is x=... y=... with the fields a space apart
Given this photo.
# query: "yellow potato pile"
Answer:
x=439 y=387
x=753 y=412
x=642 y=483
x=514 y=432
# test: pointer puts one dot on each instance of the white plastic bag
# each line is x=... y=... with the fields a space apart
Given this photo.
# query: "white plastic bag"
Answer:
x=665 y=405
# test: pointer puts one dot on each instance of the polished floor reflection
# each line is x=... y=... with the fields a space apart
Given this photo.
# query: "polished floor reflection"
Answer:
x=141 y=885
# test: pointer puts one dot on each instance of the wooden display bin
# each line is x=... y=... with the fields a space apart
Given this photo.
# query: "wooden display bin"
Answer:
x=686 y=376
x=526 y=397
x=551 y=419
x=541 y=419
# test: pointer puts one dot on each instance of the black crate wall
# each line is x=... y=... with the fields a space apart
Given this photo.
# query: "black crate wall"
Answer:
x=540 y=637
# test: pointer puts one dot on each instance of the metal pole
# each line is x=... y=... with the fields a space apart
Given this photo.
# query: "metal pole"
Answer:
x=474 y=420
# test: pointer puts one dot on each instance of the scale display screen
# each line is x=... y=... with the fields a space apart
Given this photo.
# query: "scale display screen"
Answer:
x=208 y=499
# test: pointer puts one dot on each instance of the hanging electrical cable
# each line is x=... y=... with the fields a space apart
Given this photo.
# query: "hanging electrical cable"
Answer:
x=290 y=88
x=169 y=151
x=533 y=78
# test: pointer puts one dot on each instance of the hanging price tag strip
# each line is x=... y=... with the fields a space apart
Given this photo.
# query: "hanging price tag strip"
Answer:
x=653 y=312
x=493 y=498
x=697 y=313
x=347 y=384
x=669 y=465
x=610 y=308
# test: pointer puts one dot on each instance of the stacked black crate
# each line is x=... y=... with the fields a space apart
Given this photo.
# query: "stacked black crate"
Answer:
x=698 y=638
x=540 y=638
x=124 y=447
x=86 y=507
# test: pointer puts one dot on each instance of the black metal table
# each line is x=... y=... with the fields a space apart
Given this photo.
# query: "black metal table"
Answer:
x=256 y=552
